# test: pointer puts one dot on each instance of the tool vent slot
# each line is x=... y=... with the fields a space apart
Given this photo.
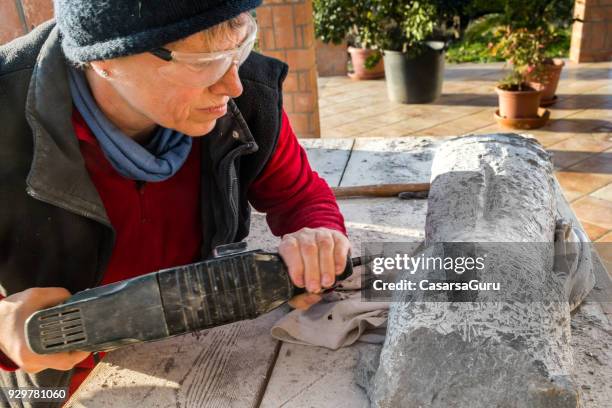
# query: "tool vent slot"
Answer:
x=62 y=328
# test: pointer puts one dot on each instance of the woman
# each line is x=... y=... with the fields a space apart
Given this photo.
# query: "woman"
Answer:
x=134 y=136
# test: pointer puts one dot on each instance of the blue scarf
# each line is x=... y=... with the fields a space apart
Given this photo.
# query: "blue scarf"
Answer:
x=157 y=160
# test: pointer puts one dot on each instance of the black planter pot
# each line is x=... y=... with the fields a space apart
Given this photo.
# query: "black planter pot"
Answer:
x=418 y=79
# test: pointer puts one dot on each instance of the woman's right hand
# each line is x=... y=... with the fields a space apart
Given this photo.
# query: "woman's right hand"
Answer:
x=14 y=311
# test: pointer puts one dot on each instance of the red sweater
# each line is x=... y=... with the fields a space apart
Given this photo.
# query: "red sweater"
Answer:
x=158 y=224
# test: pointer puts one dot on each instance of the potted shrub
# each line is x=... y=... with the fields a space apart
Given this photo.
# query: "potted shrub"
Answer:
x=518 y=100
x=551 y=73
x=337 y=21
x=413 y=49
x=548 y=22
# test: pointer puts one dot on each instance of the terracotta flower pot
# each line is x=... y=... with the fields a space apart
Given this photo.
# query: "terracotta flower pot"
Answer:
x=358 y=58
x=518 y=104
x=332 y=59
x=550 y=81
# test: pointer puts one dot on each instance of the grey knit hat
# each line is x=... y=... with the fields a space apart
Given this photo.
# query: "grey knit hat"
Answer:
x=103 y=29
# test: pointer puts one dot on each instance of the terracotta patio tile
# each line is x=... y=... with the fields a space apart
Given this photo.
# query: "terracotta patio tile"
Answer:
x=393 y=116
x=562 y=160
x=333 y=133
x=597 y=163
x=594 y=210
x=387 y=131
x=595 y=113
x=579 y=87
x=547 y=139
x=577 y=125
x=336 y=120
x=576 y=185
x=589 y=142
x=334 y=109
x=492 y=127
x=605 y=193
x=415 y=124
x=358 y=127
x=440 y=130
x=560 y=113
x=574 y=103
x=593 y=231
x=607 y=237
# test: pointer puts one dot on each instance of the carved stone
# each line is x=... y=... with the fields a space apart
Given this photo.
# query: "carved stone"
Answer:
x=509 y=353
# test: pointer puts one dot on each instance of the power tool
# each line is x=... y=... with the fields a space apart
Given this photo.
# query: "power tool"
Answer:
x=235 y=284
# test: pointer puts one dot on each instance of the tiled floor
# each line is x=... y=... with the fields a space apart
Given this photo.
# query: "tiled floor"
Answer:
x=579 y=133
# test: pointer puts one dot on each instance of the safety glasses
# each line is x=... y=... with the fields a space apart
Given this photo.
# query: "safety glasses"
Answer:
x=204 y=69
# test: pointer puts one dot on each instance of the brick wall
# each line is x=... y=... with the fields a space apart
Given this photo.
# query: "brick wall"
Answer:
x=592 y=31
x=286 y=32
x=18 y=17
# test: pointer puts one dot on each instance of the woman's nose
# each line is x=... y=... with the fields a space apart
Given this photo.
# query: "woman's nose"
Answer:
x=229 y=84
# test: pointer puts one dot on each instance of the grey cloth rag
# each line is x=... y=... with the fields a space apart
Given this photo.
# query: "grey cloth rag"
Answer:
x=339 y=320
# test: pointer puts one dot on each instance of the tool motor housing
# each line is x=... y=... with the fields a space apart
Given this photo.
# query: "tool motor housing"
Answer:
x=165 y=303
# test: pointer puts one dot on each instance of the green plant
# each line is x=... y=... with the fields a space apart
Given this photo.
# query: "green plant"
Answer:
x=524 y=49
x=481 y=31
x=339 y=20
x=345 y=20
x=330 y=22
x=405 y=25
x=534 y=14
x=396 y=25
x=530 y=28
x=474 y=44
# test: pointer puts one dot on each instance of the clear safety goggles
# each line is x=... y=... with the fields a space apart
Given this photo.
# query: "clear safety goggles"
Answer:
x=204 y=69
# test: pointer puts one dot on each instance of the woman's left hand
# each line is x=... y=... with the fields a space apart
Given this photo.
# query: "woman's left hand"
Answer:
x=314 y=257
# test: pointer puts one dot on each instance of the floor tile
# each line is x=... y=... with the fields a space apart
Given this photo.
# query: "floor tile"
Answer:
x=605 y=193
x=598 y=163
x=576 y=184
x=606 y=237
x=594 y=210
x=593 y=231
x=547 y=139
x=562 y=159
x=589 y=142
